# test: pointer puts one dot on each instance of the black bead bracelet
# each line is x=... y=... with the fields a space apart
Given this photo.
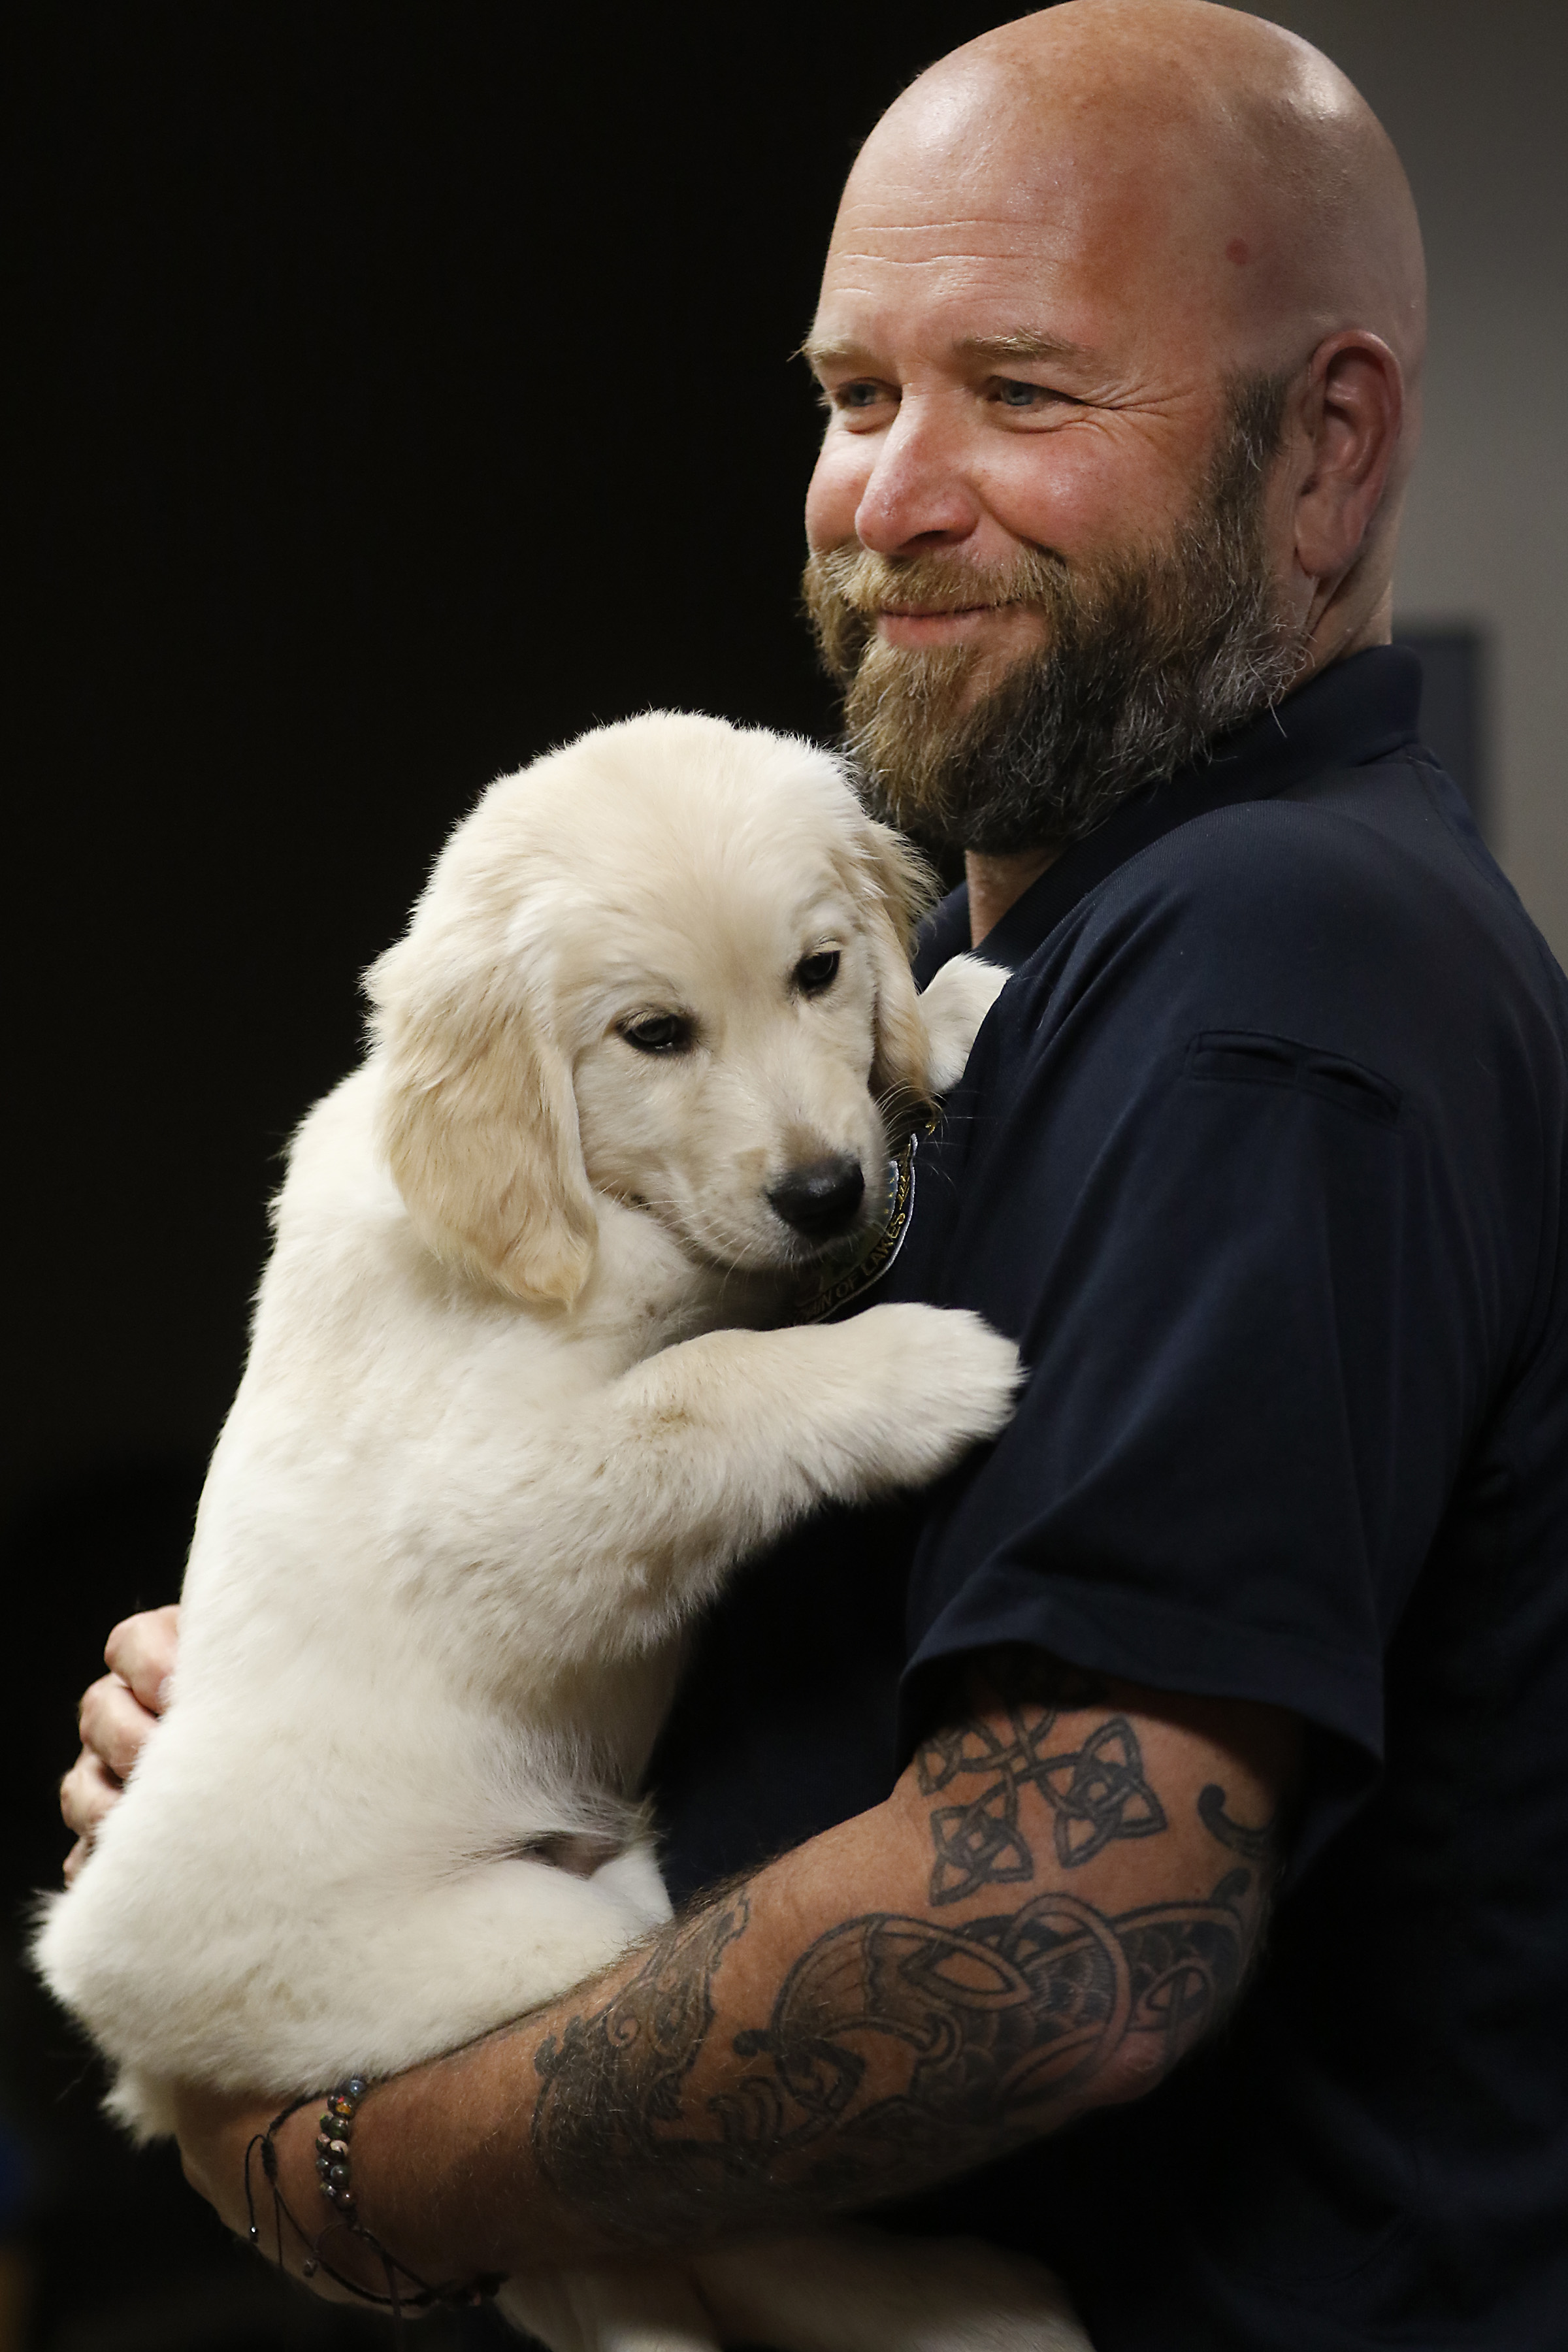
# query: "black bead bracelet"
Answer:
x=334 y=2131
x=406 y=2291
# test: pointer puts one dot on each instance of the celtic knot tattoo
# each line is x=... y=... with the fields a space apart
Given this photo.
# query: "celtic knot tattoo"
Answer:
x=1253 y=1845
x=896 y=2051
x=1097 y=1792
x=891 y=2051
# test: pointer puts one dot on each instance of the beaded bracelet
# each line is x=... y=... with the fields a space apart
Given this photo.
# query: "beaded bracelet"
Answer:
x=406 y=2290
x=334 y=2133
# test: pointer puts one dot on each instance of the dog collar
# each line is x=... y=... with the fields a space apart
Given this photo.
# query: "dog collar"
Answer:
x=873 y=1251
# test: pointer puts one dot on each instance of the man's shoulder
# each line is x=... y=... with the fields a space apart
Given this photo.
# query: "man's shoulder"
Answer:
x=1356 y=923
x=1367 y=880
x=1375 y=837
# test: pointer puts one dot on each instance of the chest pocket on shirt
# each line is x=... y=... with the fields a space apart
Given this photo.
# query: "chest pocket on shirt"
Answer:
x=1251 y=1057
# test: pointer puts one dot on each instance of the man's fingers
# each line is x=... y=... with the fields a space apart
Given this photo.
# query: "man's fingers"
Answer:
x=114 y=1724
x=141 y=1650
x=116 y=1715
x=87 y=1793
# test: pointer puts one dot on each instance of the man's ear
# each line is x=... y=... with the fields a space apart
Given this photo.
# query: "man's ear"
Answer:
x=479 y=1122
x=895 y=887
x=1353 y=416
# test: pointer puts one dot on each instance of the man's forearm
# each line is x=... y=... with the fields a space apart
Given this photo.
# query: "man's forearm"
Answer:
x=1059 y=1899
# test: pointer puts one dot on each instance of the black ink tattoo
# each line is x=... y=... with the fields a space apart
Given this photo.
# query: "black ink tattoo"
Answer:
x=899 y=2050
x=1097 y=1793
x=896 y=2051
x=629 y=2063
x=1257 y=1846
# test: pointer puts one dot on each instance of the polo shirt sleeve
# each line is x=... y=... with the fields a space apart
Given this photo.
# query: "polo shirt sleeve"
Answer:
x=1201 y=1185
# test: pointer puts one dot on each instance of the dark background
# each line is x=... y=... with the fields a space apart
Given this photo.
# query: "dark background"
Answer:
x=403 y=388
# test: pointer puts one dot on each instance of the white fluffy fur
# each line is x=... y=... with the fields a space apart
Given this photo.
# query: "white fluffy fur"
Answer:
x=499 y=1439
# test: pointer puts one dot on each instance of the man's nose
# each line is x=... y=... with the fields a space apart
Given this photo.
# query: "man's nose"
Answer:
x=917 y=494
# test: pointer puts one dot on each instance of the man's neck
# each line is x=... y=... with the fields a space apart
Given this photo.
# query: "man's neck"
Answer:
x=997 y=883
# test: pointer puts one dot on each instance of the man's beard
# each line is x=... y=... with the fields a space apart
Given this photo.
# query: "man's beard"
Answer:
x=1149 y=655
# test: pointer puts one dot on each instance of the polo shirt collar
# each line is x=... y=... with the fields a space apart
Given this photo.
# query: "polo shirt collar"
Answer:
x=1352 y=713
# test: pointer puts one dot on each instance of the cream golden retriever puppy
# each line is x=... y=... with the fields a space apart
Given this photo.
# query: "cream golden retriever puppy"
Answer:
x=500 y=1436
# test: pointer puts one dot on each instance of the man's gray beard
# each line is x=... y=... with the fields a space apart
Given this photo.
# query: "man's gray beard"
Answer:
x=1148 y=656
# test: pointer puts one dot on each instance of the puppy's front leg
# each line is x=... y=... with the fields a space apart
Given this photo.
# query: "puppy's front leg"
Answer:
x=658 y=1485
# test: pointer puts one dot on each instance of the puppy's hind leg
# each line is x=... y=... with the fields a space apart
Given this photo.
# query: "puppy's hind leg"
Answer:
x=641 y=2309
x=855 y=2289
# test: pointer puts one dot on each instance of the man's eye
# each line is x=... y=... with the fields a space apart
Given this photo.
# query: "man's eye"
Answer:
x=658 y=1033
x=813 y=973
x=864 y=393
x=1010 y=392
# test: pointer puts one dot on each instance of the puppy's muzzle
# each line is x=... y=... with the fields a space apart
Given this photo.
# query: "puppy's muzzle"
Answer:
x=821 y=1200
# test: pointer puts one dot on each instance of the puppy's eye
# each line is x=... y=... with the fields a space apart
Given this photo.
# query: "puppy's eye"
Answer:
x=813 y=973
x=658 y=1032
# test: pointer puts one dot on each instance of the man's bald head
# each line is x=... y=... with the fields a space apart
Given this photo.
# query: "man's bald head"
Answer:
x=1213 y=159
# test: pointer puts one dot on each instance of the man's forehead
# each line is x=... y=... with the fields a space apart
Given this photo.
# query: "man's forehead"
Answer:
x=1057 y=286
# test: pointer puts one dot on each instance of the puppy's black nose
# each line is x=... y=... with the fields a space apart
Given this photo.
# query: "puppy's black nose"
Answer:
x=821 y=1199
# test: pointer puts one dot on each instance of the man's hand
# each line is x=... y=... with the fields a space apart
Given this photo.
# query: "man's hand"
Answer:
x=1060 y=1898
x=114 y=1719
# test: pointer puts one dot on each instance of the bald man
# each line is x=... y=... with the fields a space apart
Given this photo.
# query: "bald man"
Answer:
x=1261 y=1156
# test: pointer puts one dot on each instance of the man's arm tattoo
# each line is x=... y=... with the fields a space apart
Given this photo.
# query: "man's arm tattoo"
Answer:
x=1257 y=1846
x=1097 y=1792
x=897 y=2051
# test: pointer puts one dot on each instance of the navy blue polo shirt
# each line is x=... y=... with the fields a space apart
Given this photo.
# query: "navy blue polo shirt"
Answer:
x=1260 y=1156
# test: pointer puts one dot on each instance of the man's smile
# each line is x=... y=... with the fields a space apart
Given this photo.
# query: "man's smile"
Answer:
x=917 y=625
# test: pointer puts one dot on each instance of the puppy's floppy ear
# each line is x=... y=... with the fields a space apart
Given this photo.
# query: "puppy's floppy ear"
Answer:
x=477 y=1120
x=897 y=887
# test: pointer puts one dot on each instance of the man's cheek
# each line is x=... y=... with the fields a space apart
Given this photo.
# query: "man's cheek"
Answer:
x=1088 y=489
x=836 y=490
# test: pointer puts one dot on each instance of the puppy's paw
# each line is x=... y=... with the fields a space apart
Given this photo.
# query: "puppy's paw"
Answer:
x=953 y=1008
x=938 y=1380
